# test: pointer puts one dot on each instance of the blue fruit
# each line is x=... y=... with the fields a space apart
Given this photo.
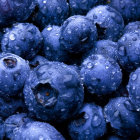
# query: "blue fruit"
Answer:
x=89 y=124
x=13 y=73
x=54 y=92
x=100 y=75
x=120 y=113
x=51 y=12
x=37 y=131
x=133 y=88
x=38 y=60
x=130 y=9
x=52 y=49
x=78 y=34
x=13 y=123
x=15 y=10
x=109 y=22
x=23 y=39
x=129 y=51
x=9 y=107
x=81 y=7
x=106 y=48
x=132 y=27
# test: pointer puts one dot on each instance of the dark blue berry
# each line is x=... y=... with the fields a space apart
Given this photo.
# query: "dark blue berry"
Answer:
x=101 y=75
x=89 y=124
x=78 y=34
x=109 y=22
x=23 y=39
x=54 y=92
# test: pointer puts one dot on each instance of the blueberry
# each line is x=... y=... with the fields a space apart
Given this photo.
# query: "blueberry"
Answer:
x=78 y=34
x=133 y=88
x=89 y=124
x=83 y=6
x=109 y=22
x=38 y=60
x=54 y=92
x=129 y=51
x=120 y=113
x=37 y=131
x=52 y=49
x=107 y=48
x=100 y=75
x=129 y=9
x=23 y=39
x=52 y=12
x=132 y=27
x=13 y=73
x=9 y=107
x=13 y=123
x=15 y=10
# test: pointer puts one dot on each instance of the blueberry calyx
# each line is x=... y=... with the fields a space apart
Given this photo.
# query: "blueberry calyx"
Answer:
x=10 y=62
x=46 y=95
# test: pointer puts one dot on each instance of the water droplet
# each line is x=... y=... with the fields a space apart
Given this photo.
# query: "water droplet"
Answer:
x=12 y=37
x=134 y=77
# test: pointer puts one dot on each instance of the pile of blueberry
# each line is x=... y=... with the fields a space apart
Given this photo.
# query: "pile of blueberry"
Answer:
x=69 y=69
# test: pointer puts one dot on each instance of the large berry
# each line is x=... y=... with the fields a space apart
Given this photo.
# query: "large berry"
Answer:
x=37 y=131
x=15 y=10
x=23 y=39
x=51 y=12
x=54 y=92
x=106 y=48
x=89 y=124
x=51 y=48
x=13 y=73
x=129 y=51
x=13 y=123
x=134 y=87
x=78 y=34
x=9 y=107
x=109 y=22
x=101 y=75
x=120 y=113
x=130 y=9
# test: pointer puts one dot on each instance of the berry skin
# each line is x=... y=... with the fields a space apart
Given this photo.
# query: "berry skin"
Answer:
x=100 y=75
x=81 y=7
x=37 y=131
x=132 y=27
x=129 y=9
x=54 y=92
x=133 y=88
x=129 y=51
x=106 y=48
x=13 y=123
x=13 y=73
x=9 y=107
x=89 y=124
x=2 y=130
x=120 y=113
x=78 y=34
x=15 y=11
x=38 y=60
x=52 y=12
x=52 y=49
x=109 y=22
x=23 y=39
